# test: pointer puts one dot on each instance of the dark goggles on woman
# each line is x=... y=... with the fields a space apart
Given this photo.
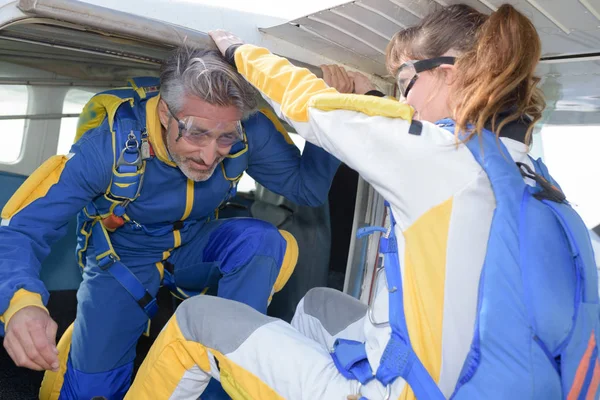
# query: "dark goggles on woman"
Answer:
x=408 y=73
x=196 y=132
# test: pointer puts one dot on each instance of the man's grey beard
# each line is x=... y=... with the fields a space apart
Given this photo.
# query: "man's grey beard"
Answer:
x=190 y=173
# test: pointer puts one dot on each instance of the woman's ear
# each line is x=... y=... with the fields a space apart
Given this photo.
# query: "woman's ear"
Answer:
x=449 y=73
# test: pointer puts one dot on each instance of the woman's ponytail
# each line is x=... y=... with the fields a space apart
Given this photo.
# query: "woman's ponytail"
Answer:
x=497 y=74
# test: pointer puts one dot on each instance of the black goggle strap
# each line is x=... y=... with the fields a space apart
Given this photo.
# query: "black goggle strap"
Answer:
x=425 y=65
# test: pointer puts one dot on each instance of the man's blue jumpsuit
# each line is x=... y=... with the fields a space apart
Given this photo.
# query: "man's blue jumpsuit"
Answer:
x=173 y=223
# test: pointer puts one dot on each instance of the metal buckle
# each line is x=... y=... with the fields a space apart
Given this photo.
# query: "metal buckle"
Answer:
x=131 y=146
x=386 y=396
x=107 y=262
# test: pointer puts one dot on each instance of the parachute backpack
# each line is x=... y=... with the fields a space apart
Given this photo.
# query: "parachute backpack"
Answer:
x=521 y=347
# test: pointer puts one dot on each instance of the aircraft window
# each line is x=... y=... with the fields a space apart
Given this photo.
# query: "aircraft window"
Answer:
x=570 y=152
x=247 y=183
x=13 y=103
x=73 y=104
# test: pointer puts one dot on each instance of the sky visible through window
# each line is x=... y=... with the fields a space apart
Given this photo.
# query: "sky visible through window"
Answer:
x=13 y=101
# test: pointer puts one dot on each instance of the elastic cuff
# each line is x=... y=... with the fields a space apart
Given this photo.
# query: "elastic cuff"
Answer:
x=21 y=299
x=230 y=54
x=375 y=92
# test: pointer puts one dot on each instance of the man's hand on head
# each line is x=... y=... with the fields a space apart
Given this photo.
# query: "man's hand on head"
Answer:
x=224 y=39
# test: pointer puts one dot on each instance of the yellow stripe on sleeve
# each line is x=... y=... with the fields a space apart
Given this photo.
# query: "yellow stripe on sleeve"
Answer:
x=289 y=86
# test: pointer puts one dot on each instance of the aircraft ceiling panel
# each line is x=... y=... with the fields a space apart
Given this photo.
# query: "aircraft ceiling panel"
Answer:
x=566 y=27
x=322 y=45
x=356 y=34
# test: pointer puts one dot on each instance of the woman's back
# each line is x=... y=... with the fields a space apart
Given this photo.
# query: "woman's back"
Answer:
x=444 y=236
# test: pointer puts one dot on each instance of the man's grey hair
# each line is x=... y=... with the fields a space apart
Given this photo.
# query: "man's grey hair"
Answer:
x=207 y=75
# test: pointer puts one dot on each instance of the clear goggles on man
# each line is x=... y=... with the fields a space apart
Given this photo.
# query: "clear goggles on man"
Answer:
x=195 y=130
x=408 y=73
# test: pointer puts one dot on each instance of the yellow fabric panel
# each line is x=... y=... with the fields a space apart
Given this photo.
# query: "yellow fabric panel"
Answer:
x=53 y=381
x=95 y=110
x=166 y=363
x=140 y=91
x=289 y=261
x=372 y=106
x=21 y=299
x=36 y=186
x=189 y=199
x=242 y=384
x=176 y=239
x=154 y=128
x=424 y=278
x=289 y=86
x=161 y=270
x=277 y=123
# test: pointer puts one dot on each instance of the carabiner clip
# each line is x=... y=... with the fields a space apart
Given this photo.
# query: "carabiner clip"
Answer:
x=370 y=309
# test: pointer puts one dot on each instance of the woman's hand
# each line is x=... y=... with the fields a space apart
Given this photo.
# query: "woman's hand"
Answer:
x=337 y=78
x=361 y=83
x=343 y=81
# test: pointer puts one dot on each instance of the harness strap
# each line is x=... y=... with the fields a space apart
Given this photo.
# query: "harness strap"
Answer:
x=350 y=358
x=126 y=182
x=398 y=359
x=169 y=283
x=110 y=262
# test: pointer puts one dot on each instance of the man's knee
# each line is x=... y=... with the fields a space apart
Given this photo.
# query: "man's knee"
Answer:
x=262 y=235
x=242 y=238
x=237 y=241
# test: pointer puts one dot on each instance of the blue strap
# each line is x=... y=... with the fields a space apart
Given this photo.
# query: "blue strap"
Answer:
x=350 y=358
x=399 y=358
x=161 y=230
x=169 y=283
x=110 y=262
x=541 y=169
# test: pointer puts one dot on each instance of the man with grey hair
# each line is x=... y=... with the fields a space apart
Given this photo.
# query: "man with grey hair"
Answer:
x=151 y=166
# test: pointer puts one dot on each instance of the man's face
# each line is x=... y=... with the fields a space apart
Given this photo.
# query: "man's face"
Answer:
x=204 y=143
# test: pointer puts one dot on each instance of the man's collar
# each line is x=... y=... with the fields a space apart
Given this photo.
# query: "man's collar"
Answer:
x=155 y=132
